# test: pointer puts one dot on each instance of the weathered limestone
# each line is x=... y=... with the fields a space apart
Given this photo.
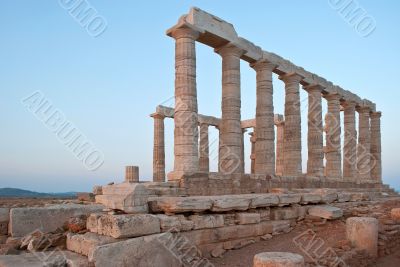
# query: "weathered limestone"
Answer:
x=315 y=162
x=326 y=212
x=40 y=259
x=232 y=202
x=350 y=142
x=265 y=138
x=248 y=218
x=333 y=153
x=125 y=226
x=362 y=232
x=185 y=116
x=280 y=138
x=180 y=205
x=4 y=220
x=207 y=221
x=132 y=174
x=395 y=214
x=278 y=259
x=158 y=148
x=230 y=130
x=292 y=132
x=364 y=144
x=376 y=150
x=24 y=221
x=204 y=161
x=139 y=252
x=86 y=243
x=128 y=197
x=264 y=200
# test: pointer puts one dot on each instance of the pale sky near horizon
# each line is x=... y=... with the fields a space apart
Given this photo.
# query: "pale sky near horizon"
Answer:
x=108 y=85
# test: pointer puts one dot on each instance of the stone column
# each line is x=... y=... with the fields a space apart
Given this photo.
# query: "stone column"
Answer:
x=158 y=149
x=315 y=162
x=253 y=155
x=265 y=144
x=185 y=117
x=364 y=144
x=204 y=161
x=333 y=131
x=350 y=142
x=292 y=133
x=280 y=126
x=231 y=131
x=242 y=157
x=376 y=150
x=132 y=174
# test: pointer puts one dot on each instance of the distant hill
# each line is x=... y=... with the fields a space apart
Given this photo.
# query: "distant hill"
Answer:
x=16 y=192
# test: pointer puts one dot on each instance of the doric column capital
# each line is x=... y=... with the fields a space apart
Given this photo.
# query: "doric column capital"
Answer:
x=333 y=97
x=229 y=49
x=157 y=116
x=349 y=104
x=183 y=31
x=291 y=77
x=363 y=109
x=376 y=115
x=263 y=64
x=314 y=88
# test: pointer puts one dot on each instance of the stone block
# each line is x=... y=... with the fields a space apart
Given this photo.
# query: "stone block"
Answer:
x=180 y=204
x=287 y=199
x=46 y=219
x=264 y=200
x=207 y=221
x=285 y=213
x=328 y=195
x=40 y=259
x=310 y=198
x=4 y=220
x=326 y=212
x=174 y=223
x=128 y=197
x=281 y=226
x=153 y=250
x=248 y=218
x=231 y=202
x=395 y=214
x=86 y=243
x=278 y=259
x=362 y=232
x=129 y=225
x=344 y=197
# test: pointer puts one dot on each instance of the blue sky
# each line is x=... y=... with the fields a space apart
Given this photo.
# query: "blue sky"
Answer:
x=107 y=86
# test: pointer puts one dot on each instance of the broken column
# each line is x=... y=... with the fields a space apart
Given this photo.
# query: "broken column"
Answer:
x=278 y=259
x=292 y=133
x=280 y=126
x=350 y=142
x=158 y=148
x=364 y=144
x=185 y=117
x=362 y=232
x=315 y=162
x=132 y=174
x=265 y=139
x=376 y=150
x=333 y=153
x=231 y=134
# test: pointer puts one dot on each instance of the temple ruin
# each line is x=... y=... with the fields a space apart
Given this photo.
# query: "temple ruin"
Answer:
x=190 y=215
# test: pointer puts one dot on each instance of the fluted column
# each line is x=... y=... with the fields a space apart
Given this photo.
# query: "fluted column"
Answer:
x=350 y=142
x=204 y=150
x=242 y=155
x=376 y=150
x=231 y=130
x=333 y=151
x=253 y=150
x=280 y=128
x=292 y=132
x=158 y=149
x=364 y=144
x=185 y=117
x=315 y=161
x=265 y=138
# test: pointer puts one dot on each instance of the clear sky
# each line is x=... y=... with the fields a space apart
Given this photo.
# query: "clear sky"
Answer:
x=108 y=85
